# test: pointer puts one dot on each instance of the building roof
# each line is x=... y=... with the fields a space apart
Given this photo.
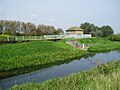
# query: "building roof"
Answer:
x=74 y=28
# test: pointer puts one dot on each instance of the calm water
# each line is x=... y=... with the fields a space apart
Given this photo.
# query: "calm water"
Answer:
x=60 y=70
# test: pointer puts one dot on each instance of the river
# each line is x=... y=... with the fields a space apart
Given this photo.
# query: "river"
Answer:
x=61 y=70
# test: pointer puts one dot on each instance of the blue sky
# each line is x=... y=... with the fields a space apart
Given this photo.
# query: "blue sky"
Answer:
x=63 y=13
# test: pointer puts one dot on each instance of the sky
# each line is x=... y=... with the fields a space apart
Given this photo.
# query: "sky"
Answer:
x=63 y=13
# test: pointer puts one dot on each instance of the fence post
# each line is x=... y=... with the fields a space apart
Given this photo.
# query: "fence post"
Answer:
x=83 y=46
x=8 y=39
x=82 y=36
x=23 y=38
x=16 y=38
x=41 y=37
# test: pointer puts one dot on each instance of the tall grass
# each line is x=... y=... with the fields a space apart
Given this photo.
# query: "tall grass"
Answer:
x=105 y=77
x=44 y=52
x=35 y=53
x=100 y=44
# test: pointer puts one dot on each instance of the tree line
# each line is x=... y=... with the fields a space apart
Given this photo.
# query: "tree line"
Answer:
x=30 y=29
x=96 y=31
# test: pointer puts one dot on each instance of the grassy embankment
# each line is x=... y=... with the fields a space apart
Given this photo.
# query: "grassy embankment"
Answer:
x=100 y=44
x=44 y=52
x=104 y=77
x=36 y=53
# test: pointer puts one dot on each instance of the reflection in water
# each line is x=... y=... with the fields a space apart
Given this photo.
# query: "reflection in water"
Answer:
x=16 y=72
x=60 y=70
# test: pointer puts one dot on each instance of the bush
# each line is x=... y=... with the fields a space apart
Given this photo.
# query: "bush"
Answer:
x=114 y=37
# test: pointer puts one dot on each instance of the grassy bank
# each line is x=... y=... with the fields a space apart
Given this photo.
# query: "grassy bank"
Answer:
x=100 y=44
x=104 y=77
x=36 y=53
x=44 y=52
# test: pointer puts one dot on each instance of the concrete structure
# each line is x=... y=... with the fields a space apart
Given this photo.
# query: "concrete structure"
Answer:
x=74 y=30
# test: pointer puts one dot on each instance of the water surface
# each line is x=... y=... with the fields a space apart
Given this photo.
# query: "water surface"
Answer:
x=65 y=69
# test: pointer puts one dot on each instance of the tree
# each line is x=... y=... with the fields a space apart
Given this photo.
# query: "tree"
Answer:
x=106 y=31
x=29 y=28
x=7 y=32
x=12 y=27
x=45 y=30
x=21 y=28
x=41 y=29
x=96 y=31
x=59 y=31
x=85 y=27
x=50 y=29
x=89 y=28
x=1 y=26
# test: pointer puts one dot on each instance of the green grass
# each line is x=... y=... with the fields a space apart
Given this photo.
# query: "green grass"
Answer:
x=104 y=77
x=44 y=52
x=100 y=44
x=36 y=53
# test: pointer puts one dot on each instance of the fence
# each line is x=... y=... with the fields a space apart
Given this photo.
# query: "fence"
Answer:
x=78 y=36
x=19 y=38
x=74 y=43
x=53 y=36
x=67 y=36
x=22 y=38
x=7 y=38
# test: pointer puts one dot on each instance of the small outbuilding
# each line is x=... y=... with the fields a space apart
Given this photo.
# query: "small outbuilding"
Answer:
x=74 y=30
